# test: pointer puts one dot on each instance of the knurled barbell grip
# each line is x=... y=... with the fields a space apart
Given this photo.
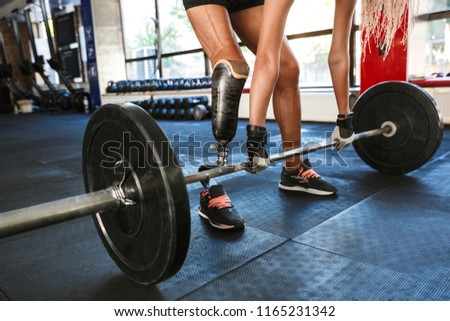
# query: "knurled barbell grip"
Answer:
x=224 y=170
x=33 y=217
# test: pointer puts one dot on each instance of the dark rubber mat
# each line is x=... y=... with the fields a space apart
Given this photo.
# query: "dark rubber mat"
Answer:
x=60 y=262
x=21 y=169
x=23 y=129
x=68 y=262
x=73 y=165
x=430 y=179
x=28 y=183
x=382 y=238
x=348 y=166
x=3 y=296
x=402 y=231
x=213 y=254
x=47 y=150
x=288 y=214
x=297 y=272
x=443 y=149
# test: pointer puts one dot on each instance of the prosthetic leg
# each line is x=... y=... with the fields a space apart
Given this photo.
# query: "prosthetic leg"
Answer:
x=228 y=80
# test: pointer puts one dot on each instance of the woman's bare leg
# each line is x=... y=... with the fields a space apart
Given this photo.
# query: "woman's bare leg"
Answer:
x=277 y=73
x=286 y=103
x=286 y=95
x=339 y=59
x=339 y=63
x=267 y=66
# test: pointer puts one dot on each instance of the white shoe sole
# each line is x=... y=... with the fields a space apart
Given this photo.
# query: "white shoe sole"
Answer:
x=220 y=227
x=305 y=190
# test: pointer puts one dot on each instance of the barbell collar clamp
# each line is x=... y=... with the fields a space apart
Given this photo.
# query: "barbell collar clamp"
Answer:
x=392 y=128
x=120 y=195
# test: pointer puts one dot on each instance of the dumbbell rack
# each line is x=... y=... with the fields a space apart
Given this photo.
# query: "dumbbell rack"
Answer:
x=178 y=96
x=125 y=97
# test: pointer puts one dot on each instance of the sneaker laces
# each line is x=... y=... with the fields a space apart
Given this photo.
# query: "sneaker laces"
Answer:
x=308 y=173
x=222 y=201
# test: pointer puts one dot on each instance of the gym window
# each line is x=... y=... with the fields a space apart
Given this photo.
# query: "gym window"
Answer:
x=432 y=32
x=181 y=54
x=159 y=31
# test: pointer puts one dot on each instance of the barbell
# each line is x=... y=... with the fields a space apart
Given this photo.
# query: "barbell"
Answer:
x=137 y=193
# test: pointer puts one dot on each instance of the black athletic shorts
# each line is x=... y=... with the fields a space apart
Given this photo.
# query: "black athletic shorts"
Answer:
x=231 y=5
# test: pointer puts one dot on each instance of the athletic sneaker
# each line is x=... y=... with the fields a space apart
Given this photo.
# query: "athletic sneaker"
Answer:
x=216 y=207
x=305 y=179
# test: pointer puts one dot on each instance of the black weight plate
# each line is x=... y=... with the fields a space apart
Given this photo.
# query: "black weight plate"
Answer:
x=79 y=99
x=63 y=100
x=48 y=99
x=148 y=240
x=418 y=121
x=200 y=112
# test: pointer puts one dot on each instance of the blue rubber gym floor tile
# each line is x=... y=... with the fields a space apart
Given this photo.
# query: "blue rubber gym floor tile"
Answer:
x=288 y=214
x=46 y=150
x=23 y=129
x=62 y=262
x=15 y=170
x=213 y=254
x=296 y=272
x=28 y=183
x=433 y=178
x=68 y=261
x=347 y=165
x=398 y=230
x=73 y=165
x=445 y=143
x=3 y=296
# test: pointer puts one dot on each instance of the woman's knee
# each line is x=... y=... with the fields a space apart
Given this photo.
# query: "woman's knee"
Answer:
x=337 y=59
x=289 y=72
x=268 y=66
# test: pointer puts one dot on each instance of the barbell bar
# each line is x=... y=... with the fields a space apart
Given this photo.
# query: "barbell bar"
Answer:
x=386 y=128
x=142 y=213
x=37 y=216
